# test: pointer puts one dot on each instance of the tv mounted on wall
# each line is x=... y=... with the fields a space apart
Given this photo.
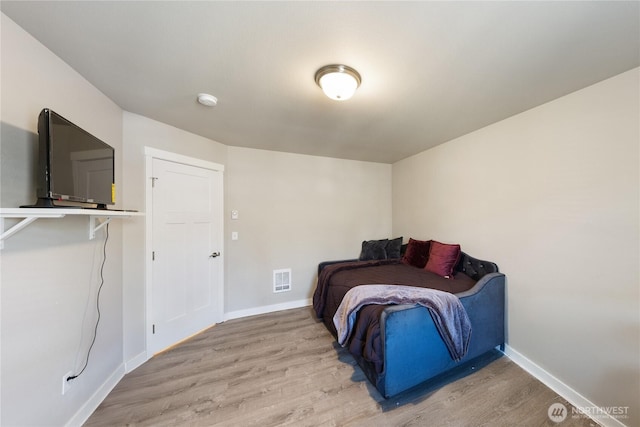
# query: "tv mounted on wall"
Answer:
x=74 y=166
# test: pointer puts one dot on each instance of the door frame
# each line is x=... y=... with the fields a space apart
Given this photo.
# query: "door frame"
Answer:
x=151 y=154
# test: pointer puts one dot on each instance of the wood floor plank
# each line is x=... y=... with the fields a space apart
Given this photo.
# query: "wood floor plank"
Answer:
x=285 y=369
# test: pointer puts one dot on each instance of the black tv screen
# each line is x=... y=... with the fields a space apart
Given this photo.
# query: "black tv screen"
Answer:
x=74 y=165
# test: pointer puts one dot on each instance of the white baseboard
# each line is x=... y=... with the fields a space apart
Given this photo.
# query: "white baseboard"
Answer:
x=136 y=361
x=267 y=309
x=572 y=396
x=96 y=399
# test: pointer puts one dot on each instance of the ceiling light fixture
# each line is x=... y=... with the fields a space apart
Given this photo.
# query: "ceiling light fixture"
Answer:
x=337 y=81
x=207 y=100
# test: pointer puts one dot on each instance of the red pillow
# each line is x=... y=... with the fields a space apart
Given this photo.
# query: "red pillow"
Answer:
x=417 y=253
x=442 y=258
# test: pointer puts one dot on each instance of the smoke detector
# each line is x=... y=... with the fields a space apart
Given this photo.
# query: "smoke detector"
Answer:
x=207 y=100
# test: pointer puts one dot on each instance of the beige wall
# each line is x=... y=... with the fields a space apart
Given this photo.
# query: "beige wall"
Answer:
x=295 y=211
x=552 y=196
x=50 y=270
x=140 y=132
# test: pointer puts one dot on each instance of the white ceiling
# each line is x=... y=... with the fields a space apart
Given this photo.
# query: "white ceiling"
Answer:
x=431 y=71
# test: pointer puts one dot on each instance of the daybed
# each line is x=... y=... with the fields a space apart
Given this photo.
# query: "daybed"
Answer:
x=400 y=346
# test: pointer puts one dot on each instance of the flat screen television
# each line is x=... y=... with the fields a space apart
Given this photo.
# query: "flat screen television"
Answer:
x=74 y=166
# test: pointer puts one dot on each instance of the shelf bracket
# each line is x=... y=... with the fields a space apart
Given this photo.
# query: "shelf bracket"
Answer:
x=26 y=216
x=95 y=225
x=13 y=229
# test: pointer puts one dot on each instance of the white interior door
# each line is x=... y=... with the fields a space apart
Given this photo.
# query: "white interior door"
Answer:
x=187 y=257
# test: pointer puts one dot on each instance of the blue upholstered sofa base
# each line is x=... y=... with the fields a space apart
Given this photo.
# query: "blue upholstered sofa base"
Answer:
x=413 y=349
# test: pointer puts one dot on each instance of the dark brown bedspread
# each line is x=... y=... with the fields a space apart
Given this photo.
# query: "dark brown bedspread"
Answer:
x=335 y=280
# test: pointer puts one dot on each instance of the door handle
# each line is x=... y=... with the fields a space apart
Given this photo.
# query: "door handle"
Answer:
x=214 y=254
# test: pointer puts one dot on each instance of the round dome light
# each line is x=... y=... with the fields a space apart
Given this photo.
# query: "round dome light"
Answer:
x=338 y=82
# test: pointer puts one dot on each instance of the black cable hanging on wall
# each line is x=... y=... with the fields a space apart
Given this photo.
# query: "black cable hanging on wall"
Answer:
x=95 y=330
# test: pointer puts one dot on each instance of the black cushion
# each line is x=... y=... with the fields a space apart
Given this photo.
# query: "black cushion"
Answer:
x=381 y=249
x=393 y=248
x=373 y=249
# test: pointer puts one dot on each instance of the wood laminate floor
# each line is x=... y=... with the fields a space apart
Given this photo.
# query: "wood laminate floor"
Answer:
x=285 y=369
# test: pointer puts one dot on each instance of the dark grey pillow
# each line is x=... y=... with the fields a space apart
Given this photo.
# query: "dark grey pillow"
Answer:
x=373 y=249
x=380 y=249
x=393 y=248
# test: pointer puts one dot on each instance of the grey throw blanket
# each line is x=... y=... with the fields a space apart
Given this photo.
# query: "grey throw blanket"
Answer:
x=447 y=312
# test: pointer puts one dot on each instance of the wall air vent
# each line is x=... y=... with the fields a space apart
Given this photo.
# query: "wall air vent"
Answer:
x=282 y=280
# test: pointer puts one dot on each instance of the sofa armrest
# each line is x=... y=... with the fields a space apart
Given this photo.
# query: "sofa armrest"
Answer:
x=485 y=305
x=493 y=278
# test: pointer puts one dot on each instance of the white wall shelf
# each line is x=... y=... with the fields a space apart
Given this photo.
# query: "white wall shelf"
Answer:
x=97 y=218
